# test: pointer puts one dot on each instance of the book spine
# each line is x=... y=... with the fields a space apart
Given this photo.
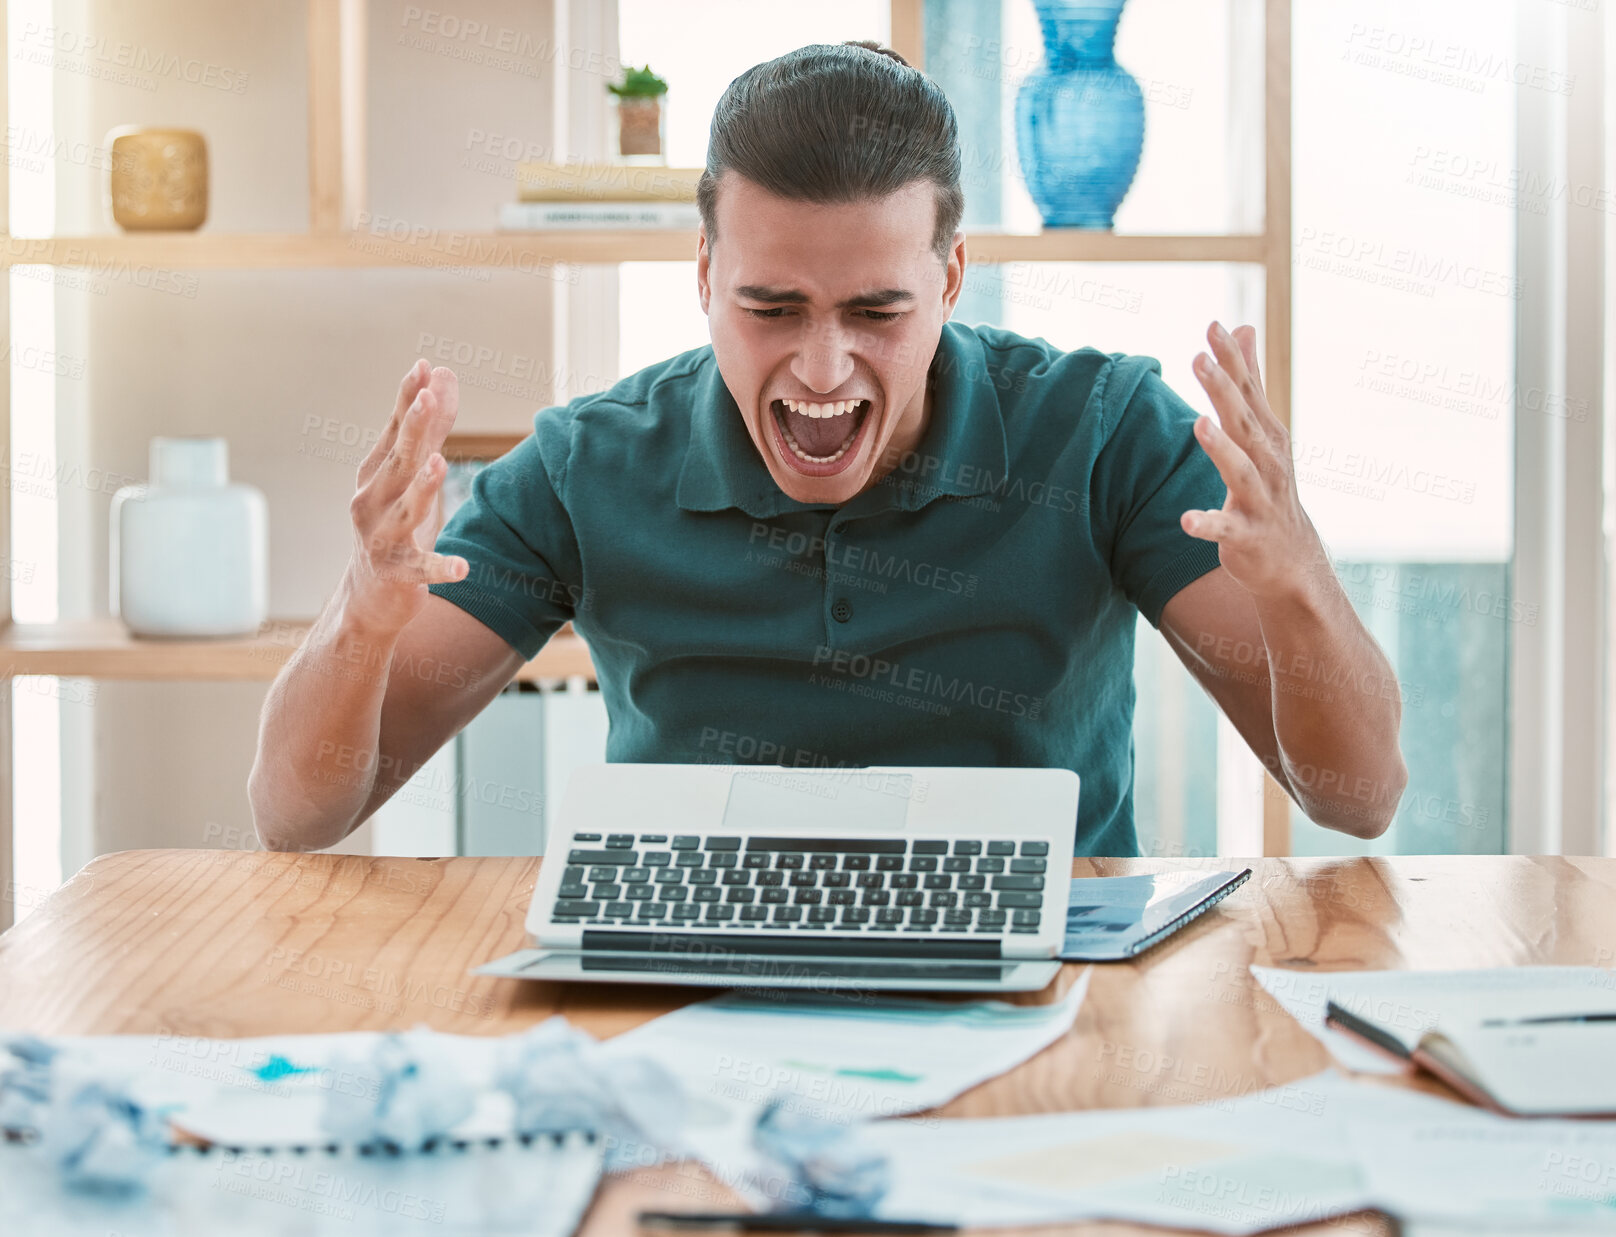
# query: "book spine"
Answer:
x=532 y=216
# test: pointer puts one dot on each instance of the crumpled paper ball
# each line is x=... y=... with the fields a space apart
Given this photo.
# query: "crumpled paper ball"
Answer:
x=563 y=1081
x=830 y=1175
x=402 y=1096
x=90 y=1129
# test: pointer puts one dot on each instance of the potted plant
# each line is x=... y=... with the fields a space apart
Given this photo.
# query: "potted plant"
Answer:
x=641 y=118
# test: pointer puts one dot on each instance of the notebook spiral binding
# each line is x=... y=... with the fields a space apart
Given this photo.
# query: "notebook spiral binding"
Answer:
x=27 y=1136
x=1200 y=908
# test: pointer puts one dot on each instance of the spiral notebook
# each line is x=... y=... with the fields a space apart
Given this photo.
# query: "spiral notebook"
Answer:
x=1109 y=918
x=531 y=1186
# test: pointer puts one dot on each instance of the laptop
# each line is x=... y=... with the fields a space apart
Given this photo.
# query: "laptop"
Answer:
x=922 y=879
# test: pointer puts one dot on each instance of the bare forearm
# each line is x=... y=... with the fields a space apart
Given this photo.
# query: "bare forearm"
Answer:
x=1336 y=708
x=318 y=735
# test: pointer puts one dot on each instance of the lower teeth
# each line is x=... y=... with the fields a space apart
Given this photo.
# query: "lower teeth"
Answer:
x=797 y=450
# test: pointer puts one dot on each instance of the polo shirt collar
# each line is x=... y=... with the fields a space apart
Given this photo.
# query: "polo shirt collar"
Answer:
x=962 y=452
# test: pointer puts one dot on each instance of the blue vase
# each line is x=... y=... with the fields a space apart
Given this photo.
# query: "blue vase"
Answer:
x=1080 y=117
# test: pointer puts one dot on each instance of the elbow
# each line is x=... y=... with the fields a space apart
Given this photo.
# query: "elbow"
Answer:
x=272 y=825
x=1368 y=811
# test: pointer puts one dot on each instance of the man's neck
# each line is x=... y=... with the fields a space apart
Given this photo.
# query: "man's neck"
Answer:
x=904 y=441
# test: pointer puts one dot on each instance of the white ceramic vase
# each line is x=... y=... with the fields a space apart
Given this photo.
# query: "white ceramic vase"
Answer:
x=189 y=549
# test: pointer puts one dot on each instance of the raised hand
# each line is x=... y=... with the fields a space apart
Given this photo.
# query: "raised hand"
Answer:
x=396 y=510
x=1265 y=539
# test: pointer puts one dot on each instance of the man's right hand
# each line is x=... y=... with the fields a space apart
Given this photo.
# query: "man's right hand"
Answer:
x=396 y=510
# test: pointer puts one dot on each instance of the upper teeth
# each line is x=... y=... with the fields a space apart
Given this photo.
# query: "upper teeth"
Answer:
x=822 y=410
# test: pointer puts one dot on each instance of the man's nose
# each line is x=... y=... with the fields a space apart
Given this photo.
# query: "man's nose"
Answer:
x=823 y=361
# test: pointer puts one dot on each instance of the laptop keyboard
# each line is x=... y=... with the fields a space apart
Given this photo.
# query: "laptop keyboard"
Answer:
x=796 y=884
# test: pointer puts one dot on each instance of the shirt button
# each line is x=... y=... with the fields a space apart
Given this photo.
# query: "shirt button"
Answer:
x=842 y=610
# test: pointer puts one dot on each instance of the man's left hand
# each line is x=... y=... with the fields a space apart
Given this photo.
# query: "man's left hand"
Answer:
x=1265 y=540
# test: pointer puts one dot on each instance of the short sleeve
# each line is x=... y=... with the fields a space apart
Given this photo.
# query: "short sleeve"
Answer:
x=526 y=578
x=1150 y=471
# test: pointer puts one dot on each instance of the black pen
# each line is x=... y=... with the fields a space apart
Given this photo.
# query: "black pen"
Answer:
x=1546 y=1018
x=787 y=1222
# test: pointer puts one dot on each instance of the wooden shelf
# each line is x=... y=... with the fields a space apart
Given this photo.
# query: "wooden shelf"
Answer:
x=104 y=649
x=535 y=252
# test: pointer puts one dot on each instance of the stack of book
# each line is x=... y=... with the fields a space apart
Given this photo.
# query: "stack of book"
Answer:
x=601 y=195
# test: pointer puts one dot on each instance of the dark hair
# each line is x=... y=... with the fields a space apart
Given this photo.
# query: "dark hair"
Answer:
x=836 y=123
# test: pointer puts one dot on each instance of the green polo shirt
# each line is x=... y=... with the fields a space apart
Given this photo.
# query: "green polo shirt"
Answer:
x=975 y=607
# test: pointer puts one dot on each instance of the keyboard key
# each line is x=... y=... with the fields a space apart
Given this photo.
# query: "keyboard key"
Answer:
x=586 y=837
x=702 y=876
x=889 y=863
x=1001 y=848
x=1018 y=882
x=939 y=881
x=620 y=841
x=639 y=893
x=956 y=863
x=736 y=876
x=754 y=914
x=923 y=917
x=573 y=889
x=1012 y=899
x=688 y=859
x=970 y=882
x=657 y=858
x=723 y=859
x=855 y=863
x=603 y=856
x=574 y=872
x=740 y=895
x=875 y=897
x=774 y=896
x=632 y=875
x=608 y=892
x=757 y=859
x=822 y=914
x=723 y=844
x=1035 y=848
x=841 y=897
x=903 y=880
x=890 y=914
x=803 y=880
x=977 y=899
x=660 y=839
x=836 y=880
x=923 y=863
x=990 y=919
x=673 y=893
x=788 y=861
x=718 y=912
x=707 y=893
x=870 y=880
x=1024 y=919
x=991 y=863
x=808 y=897
x=911 y=897
x=668 y=876
x=651 y=910
x=943 y=897
x=967 y=848
x=770 y=878
x=957 y=918
x=619 y=910
x=576 y=906
x=686 y=841
x=853 y=846
x=1028 y=865
x=787 y=914
x=931 y=848
x=821 y=863
x=686 y=911
x=855 y=914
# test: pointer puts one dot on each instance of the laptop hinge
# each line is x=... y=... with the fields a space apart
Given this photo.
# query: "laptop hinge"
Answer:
x=696 y=944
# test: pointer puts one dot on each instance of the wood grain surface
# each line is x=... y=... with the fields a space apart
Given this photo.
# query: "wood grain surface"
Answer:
x=242 y=943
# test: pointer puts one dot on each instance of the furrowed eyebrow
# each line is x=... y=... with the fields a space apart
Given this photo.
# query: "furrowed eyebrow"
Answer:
x=790 y=296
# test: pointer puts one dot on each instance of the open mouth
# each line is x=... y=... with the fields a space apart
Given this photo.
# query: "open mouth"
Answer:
x=820 y=439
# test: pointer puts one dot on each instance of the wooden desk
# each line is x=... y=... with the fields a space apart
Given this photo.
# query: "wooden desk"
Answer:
x=238 y=943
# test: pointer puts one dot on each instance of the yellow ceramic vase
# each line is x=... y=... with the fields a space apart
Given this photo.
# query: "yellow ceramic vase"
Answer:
x=159 y=179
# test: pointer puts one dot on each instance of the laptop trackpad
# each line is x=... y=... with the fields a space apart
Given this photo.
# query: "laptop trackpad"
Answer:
x=873 y=799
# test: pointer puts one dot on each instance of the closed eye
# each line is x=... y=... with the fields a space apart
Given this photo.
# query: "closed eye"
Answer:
x=871 y=315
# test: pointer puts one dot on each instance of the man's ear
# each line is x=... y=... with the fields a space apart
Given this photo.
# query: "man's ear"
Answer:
x=703 y=258
x=954 y=276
